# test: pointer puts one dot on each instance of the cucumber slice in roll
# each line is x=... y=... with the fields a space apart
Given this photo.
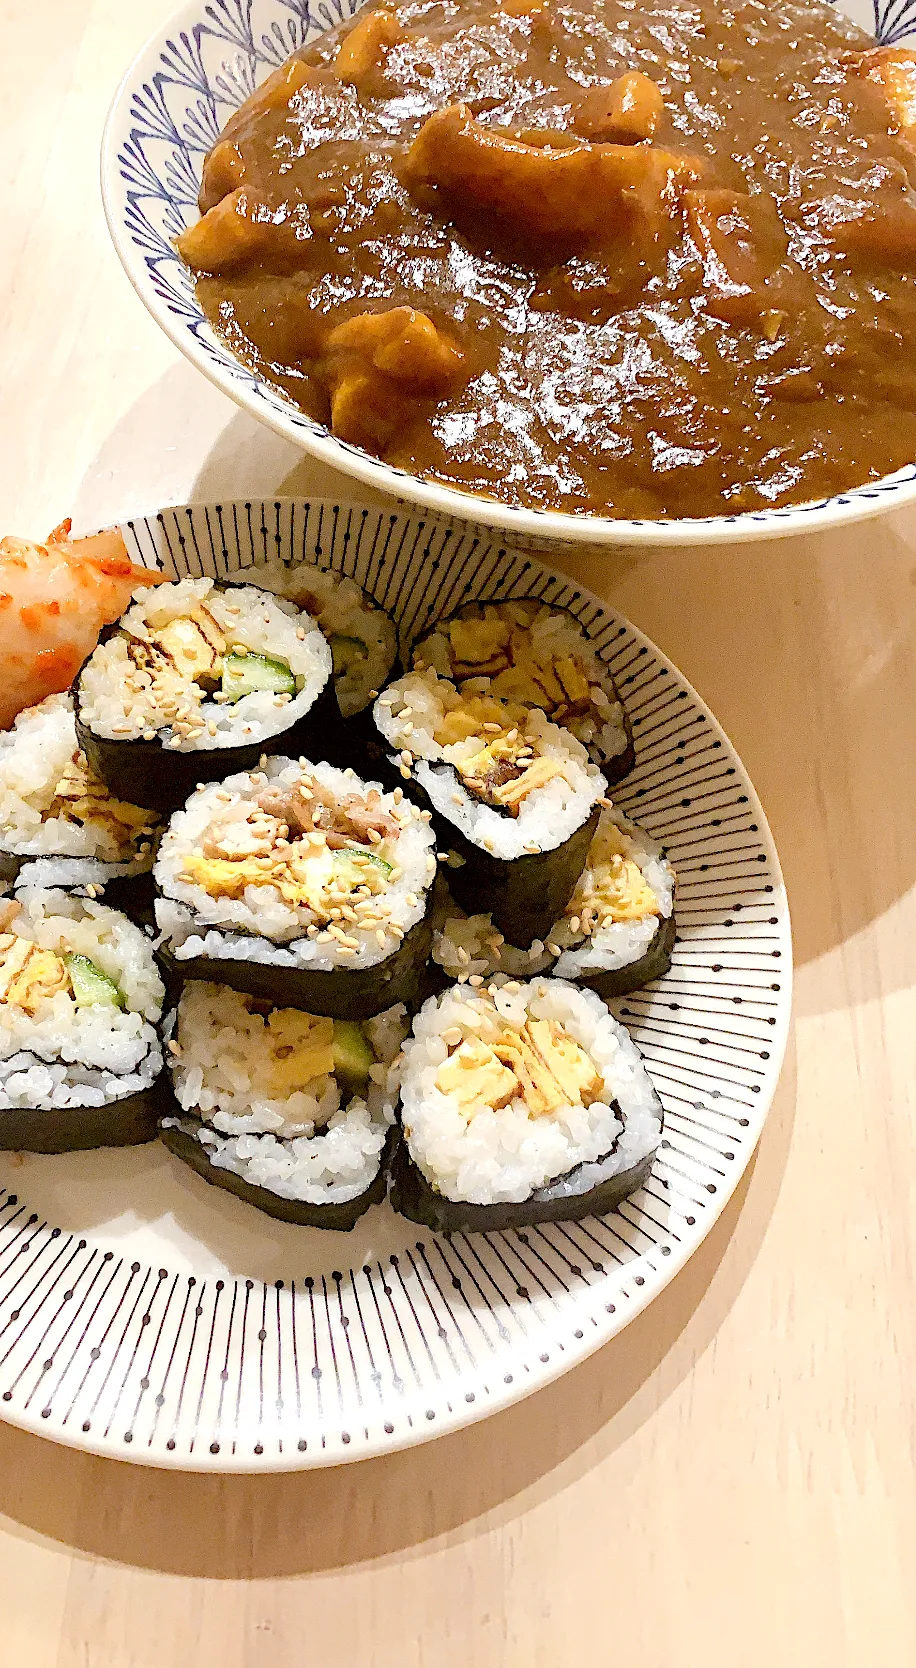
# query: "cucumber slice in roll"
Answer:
x=246 y=674
x=351 y=872
x=353 y=1058
x=91 y=987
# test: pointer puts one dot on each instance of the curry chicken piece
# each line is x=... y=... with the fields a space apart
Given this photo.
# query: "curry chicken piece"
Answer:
x=893 y=70
x=365 y=48
x=537 y=10
x=377 y=365
x=876 y=219
x=223 y=171
x=242 y=227
x=273 y=94
x=626 y=111
x=873 y=221
x=553 y=188
x=741 y=242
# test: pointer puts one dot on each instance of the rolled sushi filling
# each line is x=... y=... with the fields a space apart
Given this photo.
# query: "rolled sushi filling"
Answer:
x=79 y=1001
x=54 y=809
x=291 y=1102
x=527 y=652
x=298 y=864
x=508 y=779
x=195 y=666
x=622 y=896
x=514 y=1088
x=361 y=635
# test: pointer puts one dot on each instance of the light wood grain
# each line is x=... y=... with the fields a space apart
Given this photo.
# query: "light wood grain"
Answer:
x=730 y=1484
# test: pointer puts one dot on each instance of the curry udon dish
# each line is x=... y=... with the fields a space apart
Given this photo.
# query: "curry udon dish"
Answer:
x=634 y=260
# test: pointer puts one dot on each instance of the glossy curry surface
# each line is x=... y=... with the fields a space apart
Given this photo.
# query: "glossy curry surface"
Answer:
x=640 y=260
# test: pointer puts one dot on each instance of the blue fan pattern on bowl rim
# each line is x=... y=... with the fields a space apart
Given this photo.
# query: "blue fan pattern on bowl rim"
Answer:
x=205 y=74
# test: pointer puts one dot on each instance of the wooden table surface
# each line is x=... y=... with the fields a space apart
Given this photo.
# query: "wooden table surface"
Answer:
x=730 y=1483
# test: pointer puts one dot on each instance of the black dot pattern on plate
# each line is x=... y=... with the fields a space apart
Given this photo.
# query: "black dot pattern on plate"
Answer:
x=354 y=1349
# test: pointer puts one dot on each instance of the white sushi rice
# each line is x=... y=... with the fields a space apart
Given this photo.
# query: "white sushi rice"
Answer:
x=66 y=1055
x=619 y=943
x=307 y=1146
x=73 y=873
x=407 y=715
x=261 y=925
x=505 y=1155
x=343 y=611
x=555 y=636
x=34 y=755
x=327 y=1169
x=471 y=947
x=262 y=623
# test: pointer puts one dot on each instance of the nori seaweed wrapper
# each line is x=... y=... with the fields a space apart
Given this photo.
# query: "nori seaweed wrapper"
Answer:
x=128 y=1122
x=619 y=765
x=524 y=895
x=179 y=1134
x=10 y=865
x=147 y=773
x=133 y=895
x=342 y=993
x=414 y=1197
x=619 y=981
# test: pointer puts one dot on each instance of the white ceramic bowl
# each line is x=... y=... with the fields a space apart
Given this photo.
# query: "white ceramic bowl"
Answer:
x=170 y=107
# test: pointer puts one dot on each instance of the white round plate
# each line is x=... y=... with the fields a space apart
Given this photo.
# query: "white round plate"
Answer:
x=175 y=98
x=147 y=1316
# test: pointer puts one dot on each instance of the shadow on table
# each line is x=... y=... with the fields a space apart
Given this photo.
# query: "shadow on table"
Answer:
x=234 y=1527
x=246 y=449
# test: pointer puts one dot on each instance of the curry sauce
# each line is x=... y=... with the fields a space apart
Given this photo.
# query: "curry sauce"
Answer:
x=640 y=260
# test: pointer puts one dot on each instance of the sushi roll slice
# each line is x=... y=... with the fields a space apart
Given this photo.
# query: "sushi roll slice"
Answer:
x=525 y=650
x=302 y=885
x=362 y=637
x=198 y=680
x=59 y=825
x=293 y=1112
x=617 y=932
x=520 y=1103
x=618 y=929
x=515 y=797
x=80 y=999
